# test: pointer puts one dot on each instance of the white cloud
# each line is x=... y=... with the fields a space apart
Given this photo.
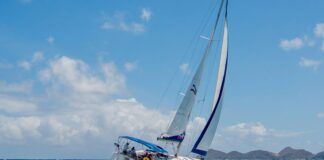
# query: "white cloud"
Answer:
x=322 y=46
x=85 y=108
x=133 y=27
x=107 y=25
x=137 y=28
x=245 y=129
x=117 y=22
x=89 y=108
x=184 y=68
x=310 y=42
x=320 y=115
x=258 y=131
x=10 y=104
x=50 y=39
x=13 y=129
x=146 y=14
x=252 y=136
x=292 y=44
x=319 y=30
x=123 y=26
x=76 y=75
x=308 y=63
x=37 y=56
x=25 y=65
x=24 y=87
x=130 y=66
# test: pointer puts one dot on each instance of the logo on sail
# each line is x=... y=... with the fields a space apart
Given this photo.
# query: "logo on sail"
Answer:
x=194 y=89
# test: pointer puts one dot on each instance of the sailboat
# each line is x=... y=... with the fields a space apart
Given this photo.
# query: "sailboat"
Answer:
x=176 y=131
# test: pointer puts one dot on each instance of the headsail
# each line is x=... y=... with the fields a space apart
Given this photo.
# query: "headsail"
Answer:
x=206 y=137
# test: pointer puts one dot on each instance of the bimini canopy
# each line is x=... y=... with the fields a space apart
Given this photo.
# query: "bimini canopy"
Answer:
x=152 y=147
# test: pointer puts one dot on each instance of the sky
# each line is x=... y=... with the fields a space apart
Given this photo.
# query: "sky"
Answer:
x=75 y=75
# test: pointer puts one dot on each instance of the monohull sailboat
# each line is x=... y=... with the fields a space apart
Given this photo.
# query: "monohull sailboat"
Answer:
x=176 y=131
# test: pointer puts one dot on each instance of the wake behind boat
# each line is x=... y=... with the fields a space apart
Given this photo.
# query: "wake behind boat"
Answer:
x=131 y=148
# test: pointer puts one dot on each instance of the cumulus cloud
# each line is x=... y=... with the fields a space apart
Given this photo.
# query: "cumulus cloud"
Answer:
x=292 y=44
x=107 y=25
x=132 y=27
x=257 y=132
x=308 y=63
x=15 y=129
x=11 y=104
x=244 y=129
x=130 y=66
x=76 y=75
x=320 y=115
x=24 y=87
x=146 y=14
x=307 y=40
x=50 y=39
x=118 y=21
x=246 y=136
x=319 y=30
x=25 y=65
x=184 y=68
x=87 y=108
x=37 y=56
x=322 y=46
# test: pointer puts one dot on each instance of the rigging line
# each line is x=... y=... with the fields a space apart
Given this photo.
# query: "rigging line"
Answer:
x=181 y=60
x=209 y=46
x=207 y=49
x=196 y=40
x=186 y=80
x=200 y=31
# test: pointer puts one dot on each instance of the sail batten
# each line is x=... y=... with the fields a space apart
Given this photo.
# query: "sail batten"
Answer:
x=206 y=137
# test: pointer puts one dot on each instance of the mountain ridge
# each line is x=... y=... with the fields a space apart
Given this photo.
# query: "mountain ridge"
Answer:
x=287 y=153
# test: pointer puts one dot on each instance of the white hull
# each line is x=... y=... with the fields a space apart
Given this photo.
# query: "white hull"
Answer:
x=119 y=156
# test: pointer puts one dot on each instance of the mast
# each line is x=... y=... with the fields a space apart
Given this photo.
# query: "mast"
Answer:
x=206 y=137
x=177 y=129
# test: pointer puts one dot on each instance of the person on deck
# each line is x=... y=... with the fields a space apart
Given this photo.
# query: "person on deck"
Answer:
x=133 y=152
x=126 y=147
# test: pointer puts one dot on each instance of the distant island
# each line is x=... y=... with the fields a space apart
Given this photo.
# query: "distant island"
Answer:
x=286 y=154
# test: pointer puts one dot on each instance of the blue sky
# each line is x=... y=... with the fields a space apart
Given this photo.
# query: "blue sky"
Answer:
x=78 y=74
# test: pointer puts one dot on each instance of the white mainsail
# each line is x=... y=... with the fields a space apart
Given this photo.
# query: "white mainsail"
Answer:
x=206 y=137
